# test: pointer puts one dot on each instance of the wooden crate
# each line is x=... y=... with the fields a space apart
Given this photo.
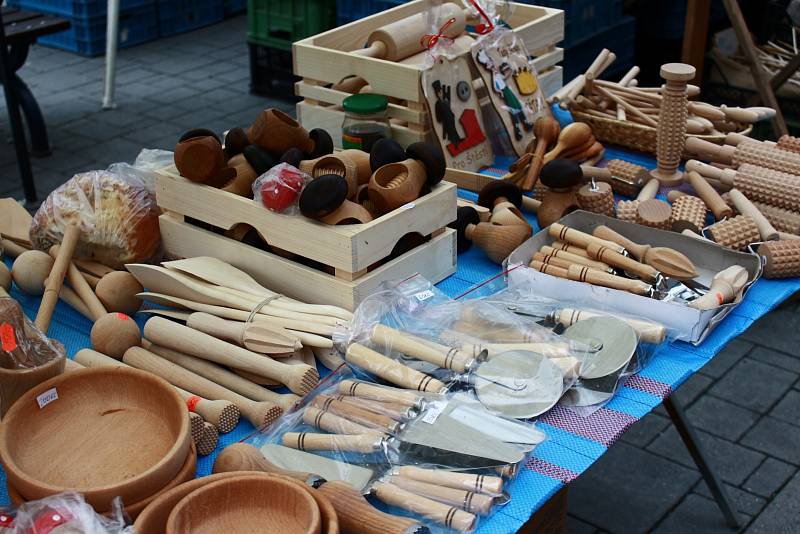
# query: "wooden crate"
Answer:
x=324 y=59
x=435 y=260
x=348 y=249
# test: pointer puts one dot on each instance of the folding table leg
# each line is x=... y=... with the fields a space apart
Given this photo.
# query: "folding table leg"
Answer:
x=692 y=443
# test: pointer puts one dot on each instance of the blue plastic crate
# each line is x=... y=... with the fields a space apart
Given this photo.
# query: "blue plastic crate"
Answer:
x=349 y=10
x=620 y=38
x=87 y=37
x=583 y=18
x=179 y=16
x=84 y=9
x=234 y=7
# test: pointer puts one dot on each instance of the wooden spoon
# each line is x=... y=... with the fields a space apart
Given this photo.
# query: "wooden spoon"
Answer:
x=546 y=130
x=668 y=261
x=574 y=135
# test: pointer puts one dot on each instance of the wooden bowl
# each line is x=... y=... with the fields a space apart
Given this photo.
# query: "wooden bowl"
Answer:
x=186 y=474
x=104 y=432
x=247 y=504
x=153 y=519
x=15 y=382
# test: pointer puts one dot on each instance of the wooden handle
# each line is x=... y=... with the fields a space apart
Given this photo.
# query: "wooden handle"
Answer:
x=576 y=258
x=307 y=441
x=245 y=457
x=722 y=154
x=356 y=414
x=647 y=331
x=583 y=274
x=224 y=378
x=391 y=370
x=726 y=176
x=217 y=327
x=535 y=165
x=709 y=195
x=551 y=350
x=598 y=173
x=745 y=207
x=330 y=422
x=604 y=232
x=70 y=297
x=550 y=269
x=474 y=503
x=366 y=390
x=395 y=410
x=625 y=263
x=448 y=516
x=649 y=191
x=258 y=413
x=81 y=287
x=357 y=516
x=552 y=260
x=56 y=278
x=486 y=484
x=299 y=378
x=576 y=237
x=427 y=351
x=725 y=287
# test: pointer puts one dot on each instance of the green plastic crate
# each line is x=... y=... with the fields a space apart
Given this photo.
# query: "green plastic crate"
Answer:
x=279 y=23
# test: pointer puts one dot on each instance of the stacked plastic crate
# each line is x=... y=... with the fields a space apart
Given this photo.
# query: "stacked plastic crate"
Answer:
x=590 y=26
x=180 y=16
x=273 y=25
x=138 y=23
x=350 y=10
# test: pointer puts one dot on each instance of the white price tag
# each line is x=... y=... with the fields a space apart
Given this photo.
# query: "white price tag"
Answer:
x=422 y=296
x=433 y=411
x=47 y=397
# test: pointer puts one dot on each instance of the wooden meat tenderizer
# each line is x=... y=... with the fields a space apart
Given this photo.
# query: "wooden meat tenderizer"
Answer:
x=671 y=132
x=665 y=260
x=597 y=197
x=688 y=212
x=736 y=233
x=625 y=178
x=726 y=286
x=782 y=258
x=745 y=207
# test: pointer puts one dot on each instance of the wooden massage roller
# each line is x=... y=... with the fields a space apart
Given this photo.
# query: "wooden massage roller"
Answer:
x=628 y=210
x=597 y=197
x=783 y=220
x=625 y=178
x=688 y=212
x=782 y=258
x=789 y=143
x=735 y=233
x=671 y=131
x=769 y=186
x=751 y=151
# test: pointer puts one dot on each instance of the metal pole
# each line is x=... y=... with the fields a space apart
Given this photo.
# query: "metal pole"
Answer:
x=112 y=31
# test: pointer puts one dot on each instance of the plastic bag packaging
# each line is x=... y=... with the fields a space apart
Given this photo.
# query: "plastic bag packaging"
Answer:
x=117 y=216
x=68 y=513
x=7 y=520
x=144 y=168
x=22 y=345
x=440 y=459
x=279 y=188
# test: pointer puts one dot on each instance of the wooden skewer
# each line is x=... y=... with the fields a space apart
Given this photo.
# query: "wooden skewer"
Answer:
x=56 y=279
x=628 y=108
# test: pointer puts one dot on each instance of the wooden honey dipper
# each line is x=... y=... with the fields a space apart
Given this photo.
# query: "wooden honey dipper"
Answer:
x=667 y=261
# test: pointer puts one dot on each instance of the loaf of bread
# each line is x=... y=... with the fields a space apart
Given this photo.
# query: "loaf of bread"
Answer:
x=118 y=219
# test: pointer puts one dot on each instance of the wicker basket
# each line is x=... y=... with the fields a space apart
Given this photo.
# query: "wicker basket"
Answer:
x=637 y=136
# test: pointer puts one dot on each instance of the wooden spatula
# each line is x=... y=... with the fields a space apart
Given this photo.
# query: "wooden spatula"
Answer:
x=668 y=261
x=15 y=222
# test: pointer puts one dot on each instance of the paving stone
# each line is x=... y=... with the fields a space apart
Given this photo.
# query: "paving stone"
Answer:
x=697 y=514
x=776 y=358
x=645 y=430
x=788 y=409
x=691 y=389
x=754 y=385
x=780 y=516
x=762 y=332
x=721 y=418
x=743 y=501
x=775 y=438
x=652 y=485
x=769 y=477
x=732 y=462
x=726 y=358
x=576 y=526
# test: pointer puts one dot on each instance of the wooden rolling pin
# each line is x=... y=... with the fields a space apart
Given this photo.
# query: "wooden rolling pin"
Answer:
x=223 y=377
x=391 y=370
x=403 y=38
x=258 y=413
x=224 y=415
x=56 y=278
x=300 y=378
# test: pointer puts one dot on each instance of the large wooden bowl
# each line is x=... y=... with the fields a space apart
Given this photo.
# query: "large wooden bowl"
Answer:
x=246 y=504
x=133 y=510
x=103 y=432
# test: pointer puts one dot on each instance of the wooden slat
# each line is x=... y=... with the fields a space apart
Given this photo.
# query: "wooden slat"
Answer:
x=332 y=96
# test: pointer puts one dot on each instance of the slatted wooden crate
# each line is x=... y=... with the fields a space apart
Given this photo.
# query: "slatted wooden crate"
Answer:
x=324 y=59
x=354 y=259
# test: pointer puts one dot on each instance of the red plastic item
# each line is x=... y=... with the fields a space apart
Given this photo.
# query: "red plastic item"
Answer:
x=281 y=192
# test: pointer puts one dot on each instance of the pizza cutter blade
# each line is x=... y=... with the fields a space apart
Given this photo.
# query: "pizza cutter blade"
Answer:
x=614 y=339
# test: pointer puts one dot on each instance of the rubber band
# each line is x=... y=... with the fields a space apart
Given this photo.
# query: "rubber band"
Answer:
x=260 y=305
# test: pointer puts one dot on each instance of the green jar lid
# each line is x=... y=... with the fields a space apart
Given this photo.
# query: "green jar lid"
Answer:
x=365 y=103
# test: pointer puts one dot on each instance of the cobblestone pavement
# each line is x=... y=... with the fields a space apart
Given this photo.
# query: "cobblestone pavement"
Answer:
x=744 y=404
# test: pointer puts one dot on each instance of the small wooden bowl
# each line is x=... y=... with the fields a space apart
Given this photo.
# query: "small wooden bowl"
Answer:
x=186 y=474
x=103 y=432
x=15 y=382
x=246 y=504
x=153 y=519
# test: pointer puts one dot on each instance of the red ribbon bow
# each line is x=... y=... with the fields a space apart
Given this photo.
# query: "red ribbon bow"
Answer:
x=429 y=40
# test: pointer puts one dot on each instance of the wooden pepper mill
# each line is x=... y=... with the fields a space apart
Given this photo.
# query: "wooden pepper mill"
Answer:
x=561 y=176
x=671 y=133
x=495 y=240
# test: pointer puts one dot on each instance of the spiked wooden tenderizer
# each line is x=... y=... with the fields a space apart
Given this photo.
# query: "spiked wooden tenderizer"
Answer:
x=688 y=212
x=735 y=233
x=597 y=198
x=671 y=132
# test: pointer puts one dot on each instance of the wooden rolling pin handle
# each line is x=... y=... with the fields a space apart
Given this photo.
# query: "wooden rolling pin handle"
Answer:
x=307 y=441
x=576 y=237
x=486 y=484
x=615 y=259
x=722 y=154
x=474 y=503
x=376 y=49
x=329 y=422
x=449 y=516
x=745 y=207
x=598 y=173
x=583 y=274
x=215 y=326
x=709 y=195
x=604 y=232
x=371 y=391
x=445 y=357
x=390 y=370
x=650 y=190
x=56 y=278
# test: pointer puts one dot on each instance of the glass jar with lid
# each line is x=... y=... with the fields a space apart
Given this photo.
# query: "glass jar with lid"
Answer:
x=365 y=121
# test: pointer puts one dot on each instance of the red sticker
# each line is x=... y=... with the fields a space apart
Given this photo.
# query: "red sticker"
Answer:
x=49 y=520
x=6 y=521
x=122 y=317
x=192 y=402
x=720 y=298
x=8 y=340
